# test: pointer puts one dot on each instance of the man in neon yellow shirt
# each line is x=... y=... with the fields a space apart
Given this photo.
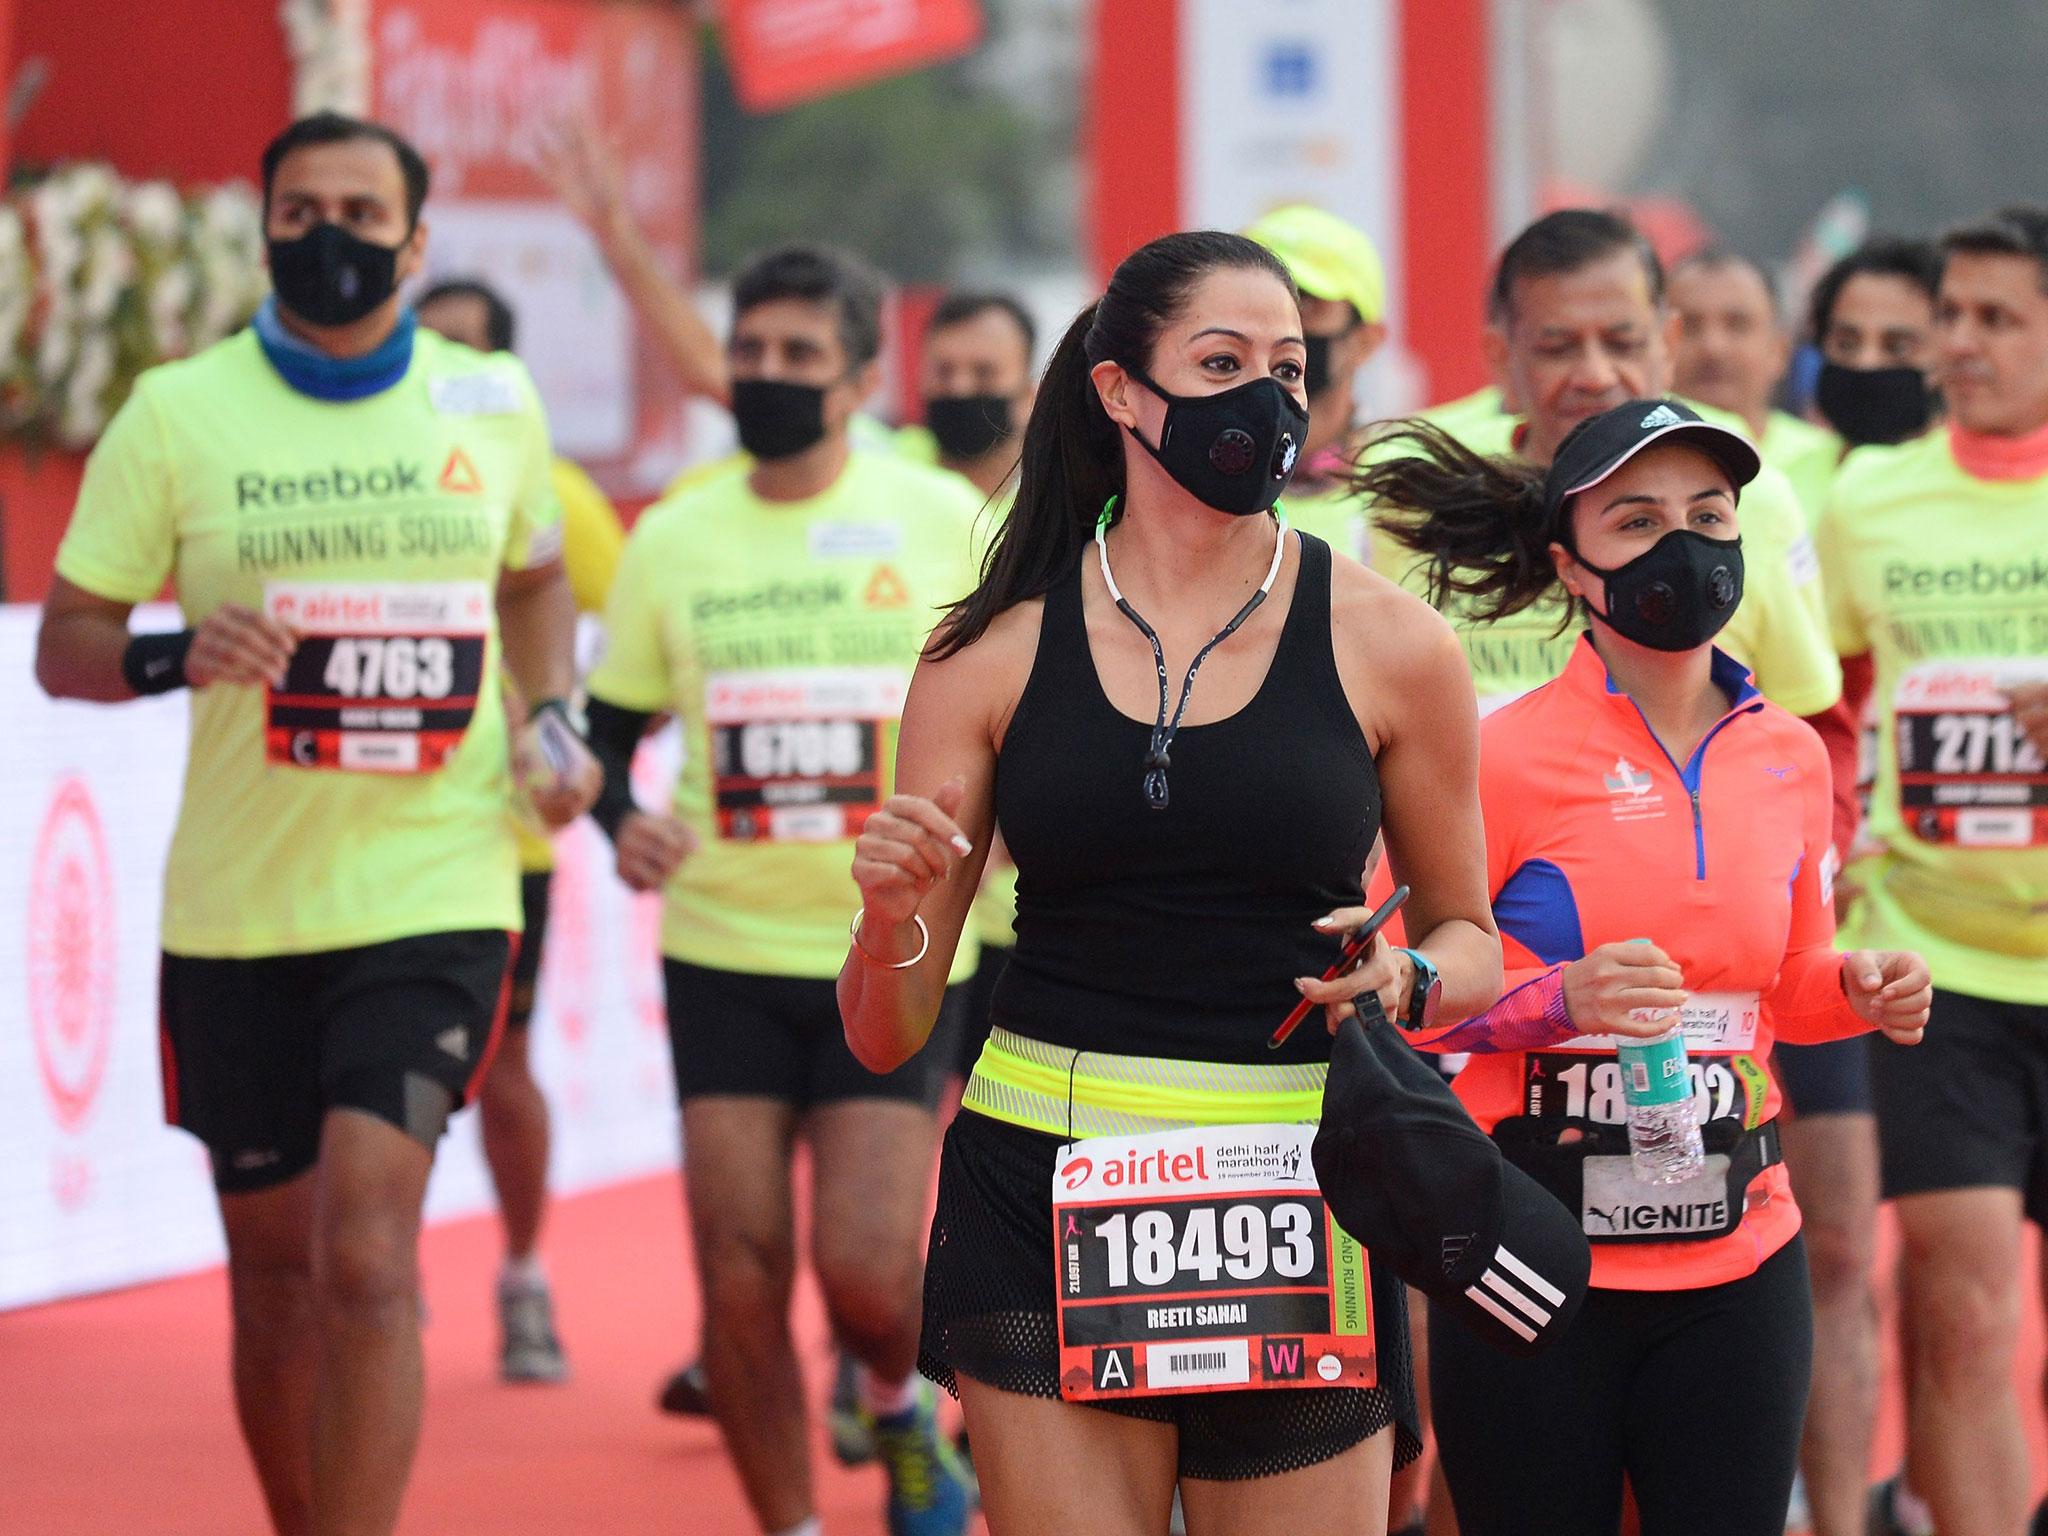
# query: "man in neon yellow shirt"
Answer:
x=513 y=1112
x=1732 y=352
x=358 y=522
x=1343 y=288
x=1936 y=571
x=1578 y=324
x=778 y=609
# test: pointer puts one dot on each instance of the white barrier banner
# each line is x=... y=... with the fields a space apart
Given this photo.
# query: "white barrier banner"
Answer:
x=95 y=1191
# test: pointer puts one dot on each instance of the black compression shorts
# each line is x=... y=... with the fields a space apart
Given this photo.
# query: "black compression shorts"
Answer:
x=1968 y=1106
x=535 y=887
x=257 y=1051
x=1697 y=1397
x=780 y=1037
x=989 y=1315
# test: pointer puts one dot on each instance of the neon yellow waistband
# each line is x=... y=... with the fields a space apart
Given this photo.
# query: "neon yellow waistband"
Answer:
x=1065 y=1092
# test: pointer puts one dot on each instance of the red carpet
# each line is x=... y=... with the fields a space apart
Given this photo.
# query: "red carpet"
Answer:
x=118 y=1421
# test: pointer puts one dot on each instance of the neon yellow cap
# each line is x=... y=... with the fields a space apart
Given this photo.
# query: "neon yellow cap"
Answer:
x=1329 y=258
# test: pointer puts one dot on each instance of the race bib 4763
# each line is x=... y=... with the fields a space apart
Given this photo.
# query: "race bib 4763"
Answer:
x=386 y=674
x=1204 y=1260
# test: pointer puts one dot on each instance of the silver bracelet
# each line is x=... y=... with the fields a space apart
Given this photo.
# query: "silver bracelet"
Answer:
x=923 y=948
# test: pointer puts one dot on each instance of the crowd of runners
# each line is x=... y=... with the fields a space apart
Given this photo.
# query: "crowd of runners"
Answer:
x=1690 y=682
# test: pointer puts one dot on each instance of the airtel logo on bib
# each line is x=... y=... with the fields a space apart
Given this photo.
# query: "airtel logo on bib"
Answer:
x=1076 y=1173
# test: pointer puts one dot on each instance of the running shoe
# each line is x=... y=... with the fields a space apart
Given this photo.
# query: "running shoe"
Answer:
x=687 y=1394
x=929 y=1494
x=528 y=1349
x=851 y=1425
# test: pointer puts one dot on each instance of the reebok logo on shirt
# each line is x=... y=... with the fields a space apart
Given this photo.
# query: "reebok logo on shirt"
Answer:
x=338 y=484
x=1977 y=579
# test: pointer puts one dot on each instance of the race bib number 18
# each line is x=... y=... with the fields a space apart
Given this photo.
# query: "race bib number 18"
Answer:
x=1204 y=1260
x=386 y=675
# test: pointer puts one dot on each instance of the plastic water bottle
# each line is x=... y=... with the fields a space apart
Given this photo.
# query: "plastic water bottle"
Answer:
x=1663 y=1122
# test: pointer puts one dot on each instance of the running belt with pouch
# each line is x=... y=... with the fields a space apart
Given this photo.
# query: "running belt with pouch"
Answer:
x=1406 y=1172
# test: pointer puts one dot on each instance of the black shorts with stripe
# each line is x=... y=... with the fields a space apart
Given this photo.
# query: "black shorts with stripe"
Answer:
x=257 y=1051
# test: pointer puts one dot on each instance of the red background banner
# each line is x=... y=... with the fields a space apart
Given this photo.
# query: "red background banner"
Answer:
x=787 y=51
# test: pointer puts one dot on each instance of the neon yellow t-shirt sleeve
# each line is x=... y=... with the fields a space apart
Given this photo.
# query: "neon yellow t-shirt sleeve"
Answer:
x=1781 y=630
x=534 y=535
x=633 y=672
x=123 y=537
x=592 y=536
x=1845 y=620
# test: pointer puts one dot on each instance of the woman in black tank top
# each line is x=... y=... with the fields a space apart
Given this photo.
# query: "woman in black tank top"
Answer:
x=1190 y=724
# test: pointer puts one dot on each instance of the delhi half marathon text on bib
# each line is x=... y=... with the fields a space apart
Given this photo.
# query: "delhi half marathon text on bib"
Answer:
x=801 y=755
x=1968 y=775
x=1204 y=1260
x=385 y=677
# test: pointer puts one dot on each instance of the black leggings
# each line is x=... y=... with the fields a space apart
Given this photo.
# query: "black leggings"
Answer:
x=1697 y=1396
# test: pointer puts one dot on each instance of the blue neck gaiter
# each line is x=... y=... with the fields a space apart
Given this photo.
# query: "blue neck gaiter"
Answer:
x=312 y=372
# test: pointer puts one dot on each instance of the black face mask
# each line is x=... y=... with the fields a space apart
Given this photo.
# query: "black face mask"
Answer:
x=1677 y=594
x=1233 y=451
x=1874 y=405
x=777 y=419
x=969 y=426
x=1315 y=370
x=328 y=276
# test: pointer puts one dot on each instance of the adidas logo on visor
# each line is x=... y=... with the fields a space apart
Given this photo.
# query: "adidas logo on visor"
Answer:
x=1663 y=416
x=1506 y=1295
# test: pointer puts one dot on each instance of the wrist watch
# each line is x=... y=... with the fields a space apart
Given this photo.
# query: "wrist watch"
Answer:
x=1425 y=996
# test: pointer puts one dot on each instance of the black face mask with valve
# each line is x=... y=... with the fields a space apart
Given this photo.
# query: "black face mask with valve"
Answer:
x=1676 y=595
x=1234 y=450
x=329 y=276
x=1874 y=405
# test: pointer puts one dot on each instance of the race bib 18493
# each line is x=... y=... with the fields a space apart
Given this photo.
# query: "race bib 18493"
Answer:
x=386 y=674
x=1204 y=1260
x=801 y=755
x=1968 y=775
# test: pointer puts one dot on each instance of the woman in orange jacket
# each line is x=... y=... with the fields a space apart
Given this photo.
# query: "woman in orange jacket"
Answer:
x=1658 y=848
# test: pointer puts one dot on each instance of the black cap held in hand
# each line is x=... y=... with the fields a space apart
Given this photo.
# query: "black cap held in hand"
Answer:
x=1407 y=1172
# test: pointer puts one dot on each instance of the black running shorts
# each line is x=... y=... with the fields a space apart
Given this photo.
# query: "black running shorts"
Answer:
x=780 y=1037
x=989 y=1314
x=534 y=889
x=1828 y=1079
x=1968 y=1106
x=257 y=1051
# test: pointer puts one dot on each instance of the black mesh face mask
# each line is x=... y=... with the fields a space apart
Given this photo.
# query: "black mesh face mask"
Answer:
x=1234 y=450
x=1676 y=595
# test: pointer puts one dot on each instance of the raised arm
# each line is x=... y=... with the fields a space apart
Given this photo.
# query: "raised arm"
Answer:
x=584 y=172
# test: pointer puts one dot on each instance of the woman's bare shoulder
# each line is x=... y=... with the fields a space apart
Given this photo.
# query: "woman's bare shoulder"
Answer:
x=1390 y=628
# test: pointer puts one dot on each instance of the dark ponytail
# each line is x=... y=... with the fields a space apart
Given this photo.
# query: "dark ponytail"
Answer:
x=1073 y=456
x=1480 y=521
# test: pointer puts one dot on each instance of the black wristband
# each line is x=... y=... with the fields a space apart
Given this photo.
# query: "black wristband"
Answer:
x=613 y=734
x=155 y=663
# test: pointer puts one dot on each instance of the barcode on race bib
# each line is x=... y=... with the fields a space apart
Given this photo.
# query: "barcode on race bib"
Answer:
x=1227 y=1364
